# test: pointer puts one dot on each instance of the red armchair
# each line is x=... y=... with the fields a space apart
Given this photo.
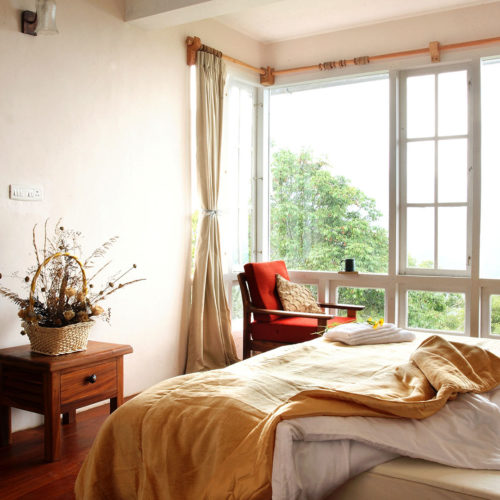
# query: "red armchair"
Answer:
x=271 y=326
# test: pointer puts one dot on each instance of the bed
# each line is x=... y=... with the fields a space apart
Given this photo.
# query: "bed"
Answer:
x=274 y=426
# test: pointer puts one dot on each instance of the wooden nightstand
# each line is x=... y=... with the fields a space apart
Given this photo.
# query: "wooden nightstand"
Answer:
x=51 y=385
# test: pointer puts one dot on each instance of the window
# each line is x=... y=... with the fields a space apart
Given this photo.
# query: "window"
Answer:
x=329 y=174
x=397 y=170
x=237 y=201
x=435 y=172
x=490 y=171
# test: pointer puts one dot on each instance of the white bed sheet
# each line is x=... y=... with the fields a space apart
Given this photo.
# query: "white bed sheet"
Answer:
x=315 y=455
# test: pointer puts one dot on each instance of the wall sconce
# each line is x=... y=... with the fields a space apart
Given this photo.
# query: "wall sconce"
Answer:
x=41 y=22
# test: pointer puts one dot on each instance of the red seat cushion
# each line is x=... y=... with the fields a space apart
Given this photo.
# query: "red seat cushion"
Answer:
x=292 y=330
x=261 y=278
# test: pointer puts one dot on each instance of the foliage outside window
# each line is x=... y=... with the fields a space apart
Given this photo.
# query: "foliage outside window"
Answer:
x=436 y=310
x=372 y=298
x=236 y=303
x=495 y=314
x=329 y=174
x=319 y=218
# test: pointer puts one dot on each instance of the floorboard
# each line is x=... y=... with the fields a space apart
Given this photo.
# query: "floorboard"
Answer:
x=25 y=475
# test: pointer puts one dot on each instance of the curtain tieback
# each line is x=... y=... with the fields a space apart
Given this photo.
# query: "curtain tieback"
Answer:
x=211 y=213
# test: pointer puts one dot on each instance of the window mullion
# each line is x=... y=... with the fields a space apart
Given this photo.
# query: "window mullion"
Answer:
x=436 y=180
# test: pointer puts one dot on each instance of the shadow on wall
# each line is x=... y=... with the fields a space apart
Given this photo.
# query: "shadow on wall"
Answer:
x=10 y=10
x=114 y=7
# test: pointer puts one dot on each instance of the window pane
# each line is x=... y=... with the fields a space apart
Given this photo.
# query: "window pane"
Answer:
x=420 y=231
x=495 y=314
x=236 y=306
x=452 y=99
x=490 y=168
x=420 y=172
x=436 y=310
x=236 y=194
x=452 y=170
x=237 y=319
x=452 y=238
x=420 y=119
x=372 y=298
x=329 y=167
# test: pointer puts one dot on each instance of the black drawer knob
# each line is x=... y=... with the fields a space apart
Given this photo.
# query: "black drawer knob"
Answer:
x=92 y=378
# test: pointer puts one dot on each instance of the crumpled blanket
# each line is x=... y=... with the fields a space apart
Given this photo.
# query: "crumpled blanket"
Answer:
x=211 y=435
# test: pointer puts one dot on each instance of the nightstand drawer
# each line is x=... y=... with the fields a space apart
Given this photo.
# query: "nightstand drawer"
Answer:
x=92 y=381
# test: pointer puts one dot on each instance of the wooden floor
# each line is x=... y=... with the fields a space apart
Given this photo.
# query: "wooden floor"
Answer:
x=25 y=475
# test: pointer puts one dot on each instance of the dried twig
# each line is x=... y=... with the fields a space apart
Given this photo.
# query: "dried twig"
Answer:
x=122 y=285
x=100 y=252
x=14 y=297
x=34 y=245
x=45 y=239
x=95 y=274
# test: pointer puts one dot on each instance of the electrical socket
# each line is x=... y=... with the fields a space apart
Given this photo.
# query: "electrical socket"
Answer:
x=25 y=193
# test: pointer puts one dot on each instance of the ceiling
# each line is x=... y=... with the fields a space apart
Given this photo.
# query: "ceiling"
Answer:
x=287 y=19
x=269 y=21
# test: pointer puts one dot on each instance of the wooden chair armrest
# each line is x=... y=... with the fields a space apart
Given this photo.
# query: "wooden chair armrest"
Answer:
x=291 y=314
x=351 y=307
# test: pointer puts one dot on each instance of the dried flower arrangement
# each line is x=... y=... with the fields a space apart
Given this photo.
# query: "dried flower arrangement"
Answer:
x=60 y=294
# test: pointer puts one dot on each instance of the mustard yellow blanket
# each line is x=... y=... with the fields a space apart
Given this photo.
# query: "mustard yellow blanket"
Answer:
x=211 y=435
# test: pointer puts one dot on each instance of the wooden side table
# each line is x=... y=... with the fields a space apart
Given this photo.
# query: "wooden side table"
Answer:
x=51 y=385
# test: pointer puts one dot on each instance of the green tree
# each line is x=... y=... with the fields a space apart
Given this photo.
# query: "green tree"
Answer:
x=495 y=314
x=436 y=310
x=318 y=218
x=372 y=298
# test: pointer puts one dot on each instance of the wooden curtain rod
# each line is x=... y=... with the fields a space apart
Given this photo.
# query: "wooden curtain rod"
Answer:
x=267 y=75
x=194 y=44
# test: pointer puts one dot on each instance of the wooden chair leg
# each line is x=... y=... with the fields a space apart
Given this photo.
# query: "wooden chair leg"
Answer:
x=246 y=344
x=322 y=325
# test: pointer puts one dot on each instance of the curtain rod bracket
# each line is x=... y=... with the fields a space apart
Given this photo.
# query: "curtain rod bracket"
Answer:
x=193 y=44
x=268 y=77
x=434 y=50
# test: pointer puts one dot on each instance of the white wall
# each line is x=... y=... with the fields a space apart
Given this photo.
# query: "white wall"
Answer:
x=446 y=27
x=98 y=115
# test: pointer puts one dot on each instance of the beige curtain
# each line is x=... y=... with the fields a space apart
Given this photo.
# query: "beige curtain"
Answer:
x=210 y=343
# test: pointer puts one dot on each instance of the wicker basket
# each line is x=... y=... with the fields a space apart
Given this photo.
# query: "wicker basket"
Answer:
x=59 y=340
x=54 y=341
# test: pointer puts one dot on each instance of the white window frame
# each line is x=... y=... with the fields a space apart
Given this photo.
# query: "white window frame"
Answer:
x=491 y=287
x=230 y=277
x=404 y=141
x=395 y=283
x=240 y=84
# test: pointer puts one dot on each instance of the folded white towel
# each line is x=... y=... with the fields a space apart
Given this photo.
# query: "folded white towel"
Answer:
x=362 y=333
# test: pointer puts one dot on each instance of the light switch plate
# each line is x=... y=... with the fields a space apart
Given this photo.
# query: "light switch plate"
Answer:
x=23 y=192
